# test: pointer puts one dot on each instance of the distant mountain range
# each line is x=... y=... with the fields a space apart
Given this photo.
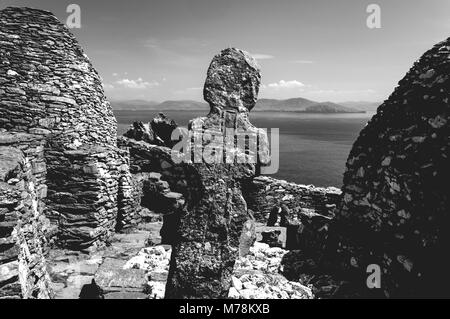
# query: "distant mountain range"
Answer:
x=363 y=105
x=141 y=105
x=263 y=105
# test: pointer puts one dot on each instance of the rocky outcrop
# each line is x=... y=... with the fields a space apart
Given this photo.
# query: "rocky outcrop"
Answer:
x=142 y=132
x=163 y=128
x=157 y=132
x=209 y=231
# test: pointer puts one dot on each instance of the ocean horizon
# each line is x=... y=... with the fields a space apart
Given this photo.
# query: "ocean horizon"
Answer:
x=313 y=147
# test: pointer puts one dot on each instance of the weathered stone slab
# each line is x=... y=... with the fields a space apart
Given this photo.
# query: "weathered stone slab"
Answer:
x=210 y=228
x=111 y=277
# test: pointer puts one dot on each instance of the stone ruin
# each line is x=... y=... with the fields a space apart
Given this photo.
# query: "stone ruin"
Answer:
x=50 y=89
x=157 y=132
x=23 y=226
x=52 y=106
x=65 y=183
x=396 y=186
x=394 y=211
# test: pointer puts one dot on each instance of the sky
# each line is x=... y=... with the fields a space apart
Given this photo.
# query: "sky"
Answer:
x=316 y=49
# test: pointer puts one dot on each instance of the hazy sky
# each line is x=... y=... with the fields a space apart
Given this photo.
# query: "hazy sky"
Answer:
x=317 y=49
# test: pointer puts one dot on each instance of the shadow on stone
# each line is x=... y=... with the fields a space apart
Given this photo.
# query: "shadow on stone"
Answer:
x=91 y=291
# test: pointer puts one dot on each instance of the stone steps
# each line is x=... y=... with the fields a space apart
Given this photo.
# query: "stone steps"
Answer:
x=71 y=272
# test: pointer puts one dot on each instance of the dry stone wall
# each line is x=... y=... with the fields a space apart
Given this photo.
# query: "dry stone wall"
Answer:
x=161 y=185
x=83 y=194
x=396 y=186
x=148 y=158
x=47 y=83
x=48 y=87
x=129 y=195
x=264 y=193
x=59 y=159
x=393 y=220
x=24 y=230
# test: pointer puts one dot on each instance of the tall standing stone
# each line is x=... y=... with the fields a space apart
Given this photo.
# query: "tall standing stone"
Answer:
x=209 y=231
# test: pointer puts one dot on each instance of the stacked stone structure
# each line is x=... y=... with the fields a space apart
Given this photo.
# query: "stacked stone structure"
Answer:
x=23 y=227
x=48 y=87
x=396 y=187
x=60 y=159
x=264 y=193
x=393 y=220
x=83 y=194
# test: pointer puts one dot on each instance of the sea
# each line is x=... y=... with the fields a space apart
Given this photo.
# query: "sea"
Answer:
x=313 y=148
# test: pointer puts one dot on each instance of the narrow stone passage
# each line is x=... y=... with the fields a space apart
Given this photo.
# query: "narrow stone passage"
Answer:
x=70 y=271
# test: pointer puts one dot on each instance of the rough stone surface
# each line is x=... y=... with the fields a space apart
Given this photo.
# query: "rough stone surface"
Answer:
x=48 y=87
x=263 y=194
x=166 y=188
x=142 y=132
x=56 y=163
x=232 y=81
x=48 y=84
x=258 y=276
x=155 y=262
x=395 y=205
x=209 y=231
x=157 y=132
x=102 y=274
x=163 y=128
x=83 y=194
x=23 y=227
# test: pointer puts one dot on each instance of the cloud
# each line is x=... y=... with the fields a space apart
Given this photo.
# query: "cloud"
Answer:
x=282 y=84
x=137 y=84
x=302 y=61
x=107 y=86
x=259 y=56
